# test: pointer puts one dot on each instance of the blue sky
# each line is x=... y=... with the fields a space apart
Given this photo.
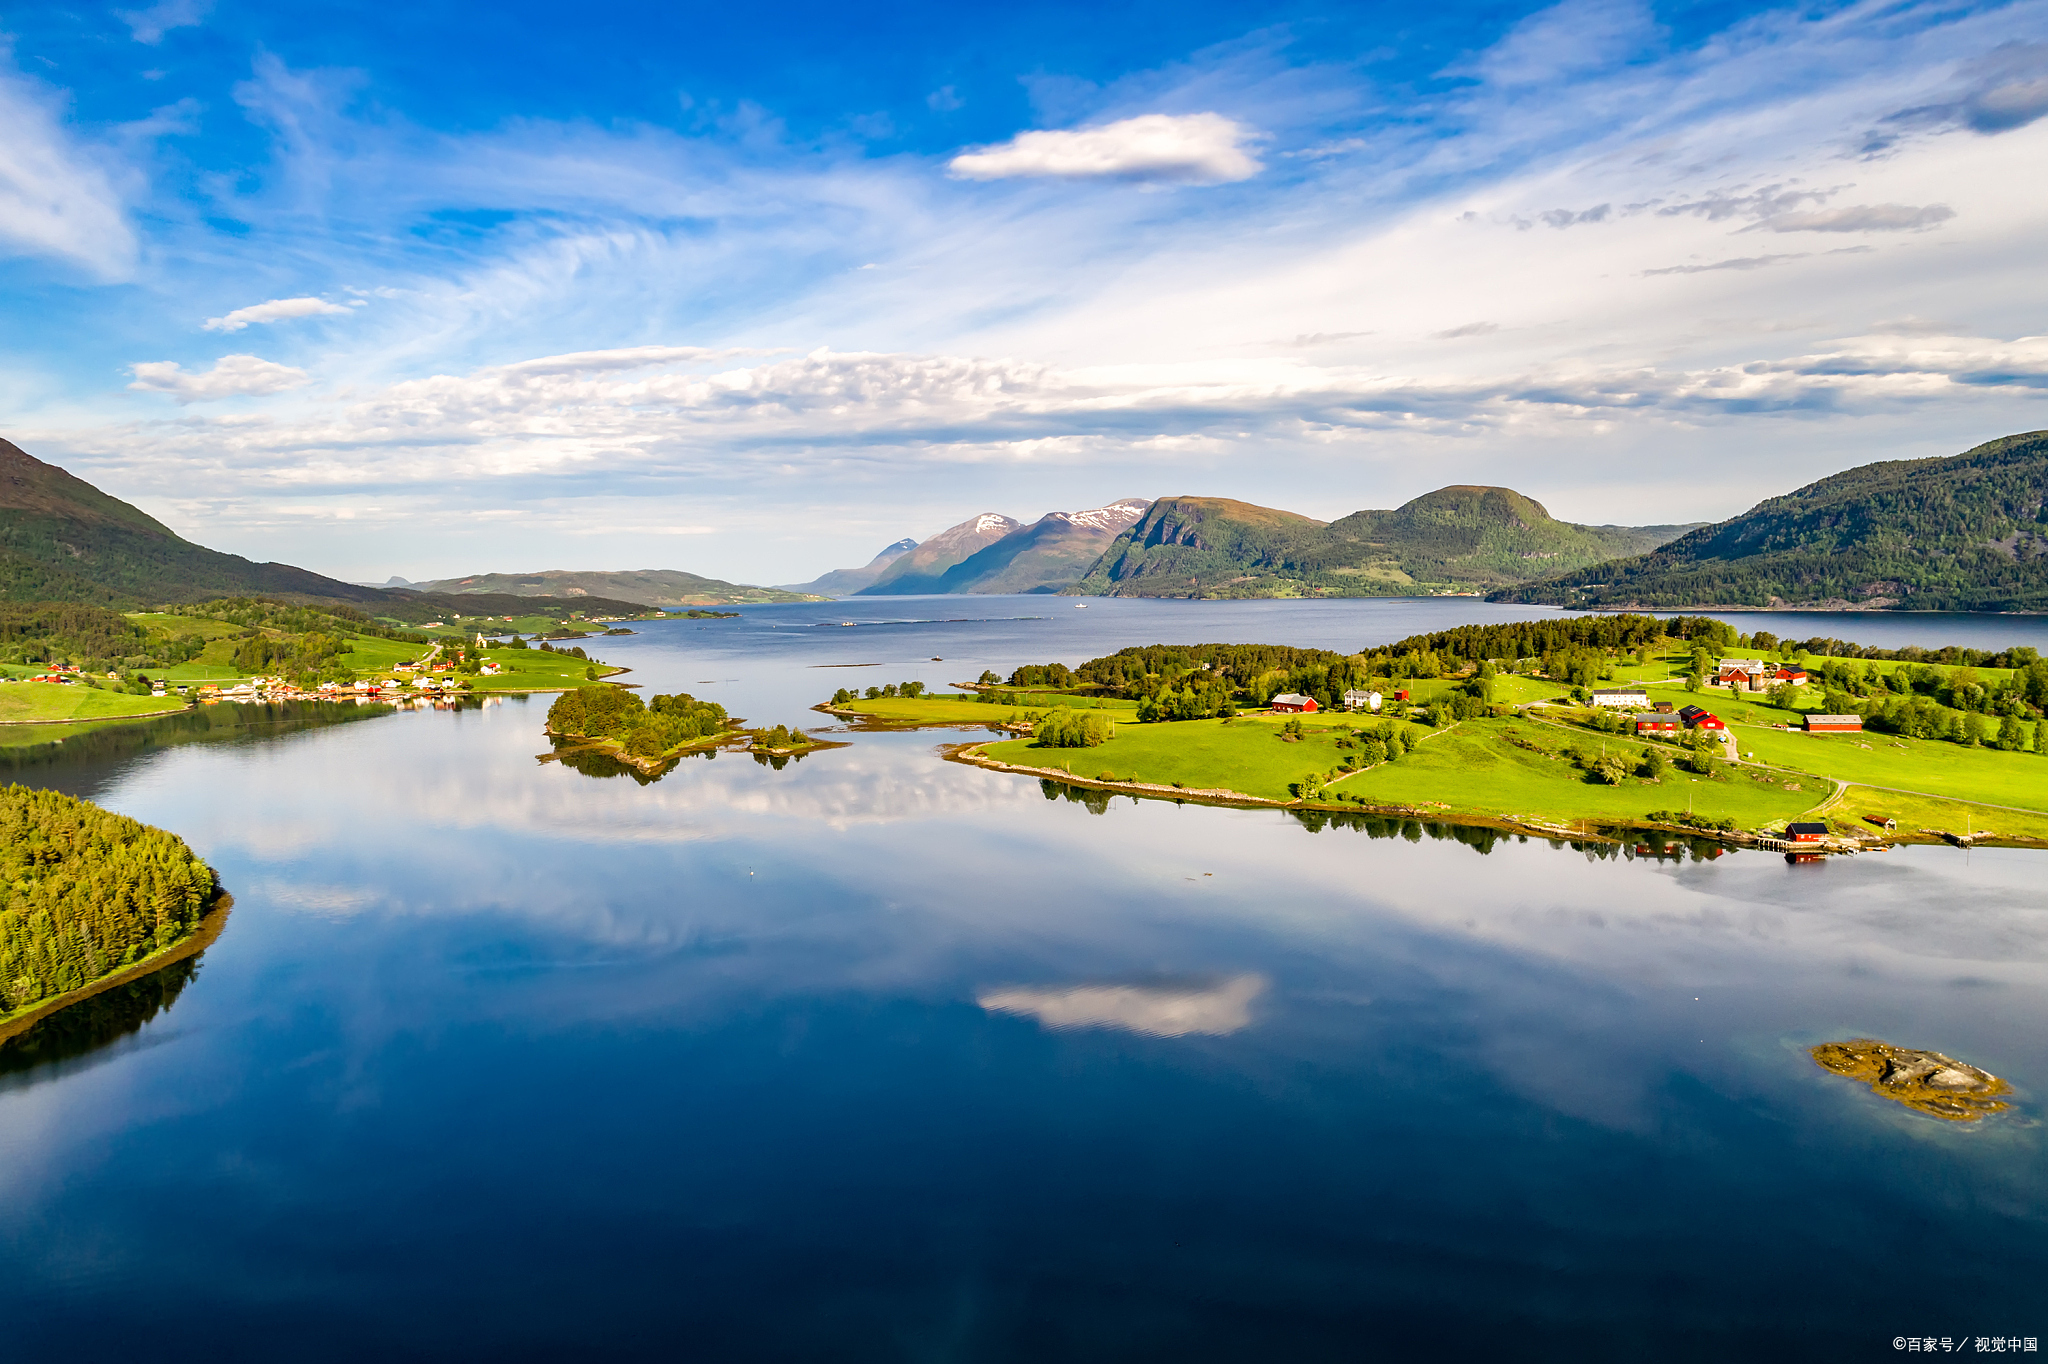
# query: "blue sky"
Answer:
x=449 y=288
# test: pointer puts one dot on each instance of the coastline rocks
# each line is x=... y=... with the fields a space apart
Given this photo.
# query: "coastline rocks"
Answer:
x=1924 y=1081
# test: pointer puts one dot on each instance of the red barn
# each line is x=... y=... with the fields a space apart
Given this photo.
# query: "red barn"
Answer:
x=1659 y=724
x=1293 y=702
x=1834 y=724
x=1805 y=833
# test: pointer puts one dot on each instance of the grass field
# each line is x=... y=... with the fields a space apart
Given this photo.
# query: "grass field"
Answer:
x=1935 y=767
x=1916 y=812
x=166 y=625
x=532 y=670
x=1237 y=755
x=47 y=702
x=368 y=654
x=1473 y=768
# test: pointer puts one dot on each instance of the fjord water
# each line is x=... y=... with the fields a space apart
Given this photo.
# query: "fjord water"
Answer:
x=881 y=1057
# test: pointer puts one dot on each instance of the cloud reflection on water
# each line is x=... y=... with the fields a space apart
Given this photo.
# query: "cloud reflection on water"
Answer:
x=1156 y=1010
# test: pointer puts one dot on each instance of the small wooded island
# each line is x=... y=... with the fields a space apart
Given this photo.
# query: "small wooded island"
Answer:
x=649 y=736
x=1562 y=726
x=90 y=895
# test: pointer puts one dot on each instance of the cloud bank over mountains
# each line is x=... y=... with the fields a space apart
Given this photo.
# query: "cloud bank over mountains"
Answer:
x=1595 y=236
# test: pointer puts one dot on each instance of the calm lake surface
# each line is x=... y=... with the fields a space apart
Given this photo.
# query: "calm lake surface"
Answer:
x=881 y=1057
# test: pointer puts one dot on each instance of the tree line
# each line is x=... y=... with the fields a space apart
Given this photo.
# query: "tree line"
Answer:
x=88 y=892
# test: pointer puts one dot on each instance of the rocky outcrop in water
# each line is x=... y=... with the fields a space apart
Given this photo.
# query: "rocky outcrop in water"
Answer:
x=1924 y=1081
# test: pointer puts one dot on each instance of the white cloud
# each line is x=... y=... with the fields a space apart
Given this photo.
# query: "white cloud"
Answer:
x=1194 y=149
x=56 y=198
x=1859 y=218
x=150 y=25
x=232 y=376
x=1156 y=1010
x=276 y=310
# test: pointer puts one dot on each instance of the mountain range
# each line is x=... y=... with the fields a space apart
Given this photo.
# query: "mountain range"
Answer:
x=666 y=588
x=1455 y=539
x=1450 y=540
x=1964 y=532
x=1967 y=532
x=993 y=553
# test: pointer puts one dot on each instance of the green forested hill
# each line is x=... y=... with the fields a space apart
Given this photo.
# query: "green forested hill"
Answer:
x=1457 y=538
x=87 y=893
x=1964 y=532
x=61 y=539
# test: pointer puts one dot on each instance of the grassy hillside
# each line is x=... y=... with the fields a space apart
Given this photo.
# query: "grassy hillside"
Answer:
x=1454 y=539
x=47 y=702
x=1966 y=532
x=61 y=539
x=631 y=588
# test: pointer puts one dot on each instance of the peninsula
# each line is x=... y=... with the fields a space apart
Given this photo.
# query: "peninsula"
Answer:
x=92 y=896
x=1556 y=727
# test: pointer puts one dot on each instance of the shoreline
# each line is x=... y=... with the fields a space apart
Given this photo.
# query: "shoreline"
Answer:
x=1614 y=831
x=103 y=719
x=192 y=944
x=970 y=754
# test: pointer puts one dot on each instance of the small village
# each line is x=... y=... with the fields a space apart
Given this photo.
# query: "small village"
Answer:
x=427 y=682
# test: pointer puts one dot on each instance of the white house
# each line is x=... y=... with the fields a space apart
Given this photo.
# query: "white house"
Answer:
x=1630 y=698
x=1361 y=700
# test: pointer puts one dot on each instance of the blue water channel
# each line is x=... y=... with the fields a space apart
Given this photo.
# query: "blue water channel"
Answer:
x=880 y=1057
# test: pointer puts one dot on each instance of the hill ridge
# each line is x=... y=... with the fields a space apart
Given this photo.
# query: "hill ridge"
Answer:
x=1964 y=532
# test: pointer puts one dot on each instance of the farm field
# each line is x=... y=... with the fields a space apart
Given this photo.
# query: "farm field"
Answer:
x=1475 y=767
x=1245 y=755
x=44 y=702
x=368 y=654
x=1500 y=768
x=1933 y=766
x=533 y=670
x=1916 y=812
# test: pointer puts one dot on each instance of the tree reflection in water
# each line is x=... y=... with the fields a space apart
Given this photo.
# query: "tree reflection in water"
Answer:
x=1627 y=844
x=93 y=1024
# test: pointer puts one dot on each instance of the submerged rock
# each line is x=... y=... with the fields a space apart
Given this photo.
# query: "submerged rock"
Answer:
x=1924 y=1081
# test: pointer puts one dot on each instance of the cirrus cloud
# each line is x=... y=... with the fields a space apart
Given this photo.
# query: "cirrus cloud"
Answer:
x=1189 y=149
x=276 y=310
x=232 y=376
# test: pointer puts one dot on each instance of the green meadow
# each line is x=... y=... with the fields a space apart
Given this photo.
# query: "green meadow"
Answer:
x=1914 y=812
x=1482 y=767
x=534 y=670
x=1933 y=766
x=47 y=702
x=1247 y=754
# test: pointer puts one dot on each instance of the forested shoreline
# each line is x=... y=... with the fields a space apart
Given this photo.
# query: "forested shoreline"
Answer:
x=88 y=893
